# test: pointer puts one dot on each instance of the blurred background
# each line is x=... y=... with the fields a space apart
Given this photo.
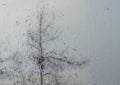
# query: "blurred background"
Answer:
x=91 y=26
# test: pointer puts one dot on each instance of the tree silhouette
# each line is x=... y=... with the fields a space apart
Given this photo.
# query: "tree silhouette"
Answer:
x=48 y=60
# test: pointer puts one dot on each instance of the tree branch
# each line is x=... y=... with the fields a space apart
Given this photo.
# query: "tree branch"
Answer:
x=68 y=62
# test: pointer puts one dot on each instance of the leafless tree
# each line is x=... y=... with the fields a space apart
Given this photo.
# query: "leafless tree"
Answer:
x=47 y=59
x=3 y=70
x=17 y=66
x=11 y=64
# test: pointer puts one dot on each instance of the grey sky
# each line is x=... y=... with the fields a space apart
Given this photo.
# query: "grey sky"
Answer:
x=92 y=26
x=103 y=23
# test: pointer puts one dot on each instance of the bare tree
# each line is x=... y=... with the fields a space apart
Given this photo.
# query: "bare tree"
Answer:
x=12 y=65
x=17 y=67
x=47 y=59
x=3 y=70
x=3 y=60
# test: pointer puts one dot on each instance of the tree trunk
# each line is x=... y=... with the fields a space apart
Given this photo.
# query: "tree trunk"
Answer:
x=41 y=75
x=41 y=78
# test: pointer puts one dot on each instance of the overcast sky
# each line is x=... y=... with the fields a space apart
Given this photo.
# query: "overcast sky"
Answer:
x=92 y=26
